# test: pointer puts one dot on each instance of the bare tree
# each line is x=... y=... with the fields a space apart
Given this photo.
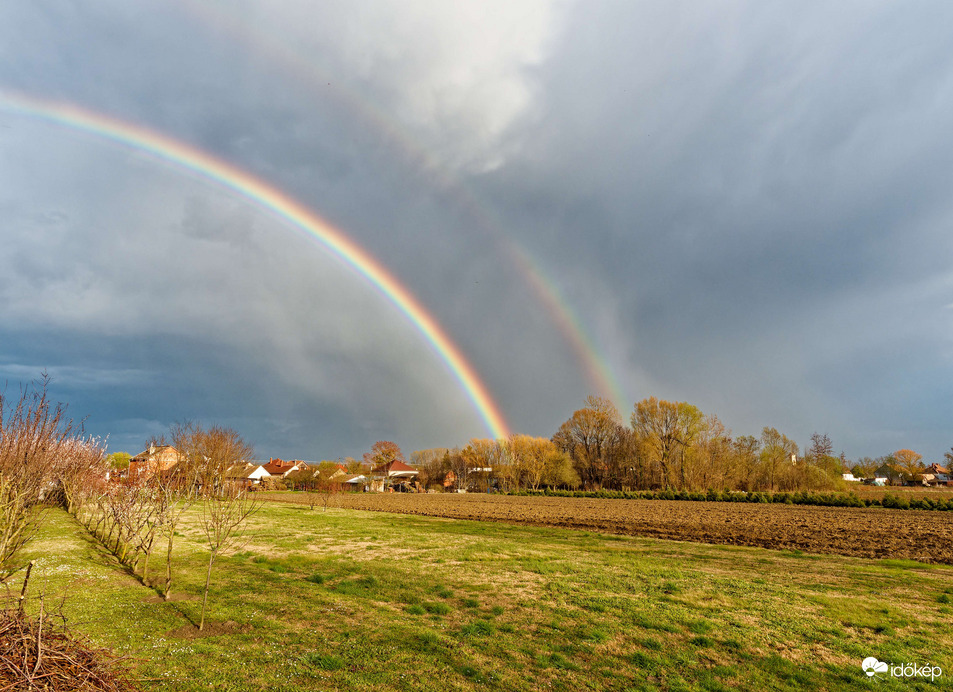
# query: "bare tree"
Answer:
x=665 y=431
x=224 y=513
x=328 y=484
x=225 y=506
x=34 y=435
x=597 y=442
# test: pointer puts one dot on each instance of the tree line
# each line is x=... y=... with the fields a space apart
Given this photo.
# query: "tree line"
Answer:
x=666 y=445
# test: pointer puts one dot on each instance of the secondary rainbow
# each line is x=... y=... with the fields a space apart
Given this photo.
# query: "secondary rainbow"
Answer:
x=225 y=19
x=278 y=204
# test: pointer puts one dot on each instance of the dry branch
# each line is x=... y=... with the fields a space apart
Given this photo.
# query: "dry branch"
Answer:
x=36 y=653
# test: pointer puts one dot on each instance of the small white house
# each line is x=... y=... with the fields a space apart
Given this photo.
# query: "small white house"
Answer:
x=850 y=477
x=247 y=474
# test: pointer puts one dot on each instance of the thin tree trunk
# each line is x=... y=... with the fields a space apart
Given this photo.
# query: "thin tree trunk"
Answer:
x=208 y=579
x=168 y=566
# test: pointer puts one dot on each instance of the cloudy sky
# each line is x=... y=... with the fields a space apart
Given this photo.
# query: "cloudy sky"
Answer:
x=743 y=205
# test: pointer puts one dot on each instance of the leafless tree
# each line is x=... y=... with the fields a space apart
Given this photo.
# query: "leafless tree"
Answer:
x=35 y=435
x=225 y=506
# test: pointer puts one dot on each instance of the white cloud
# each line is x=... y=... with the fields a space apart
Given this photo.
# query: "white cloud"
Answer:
x=452 y=76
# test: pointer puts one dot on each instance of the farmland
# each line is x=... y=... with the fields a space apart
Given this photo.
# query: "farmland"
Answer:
x=349 y=599
x=865 y=532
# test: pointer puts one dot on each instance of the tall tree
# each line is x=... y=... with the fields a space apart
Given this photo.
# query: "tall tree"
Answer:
x=821 y=447
x=595 y=440
x=909 y=462
x=747 y=450
x=778 y=456
x=666 y=430
x=479 y=462
x=714 y=461
x=865 y=467
x=383 y=452
x=430 y=466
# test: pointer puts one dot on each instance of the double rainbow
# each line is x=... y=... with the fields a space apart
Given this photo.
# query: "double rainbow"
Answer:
x=276 y=203
x=228 y=20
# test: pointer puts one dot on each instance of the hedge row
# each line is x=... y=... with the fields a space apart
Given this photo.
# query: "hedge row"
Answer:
x=798 y=498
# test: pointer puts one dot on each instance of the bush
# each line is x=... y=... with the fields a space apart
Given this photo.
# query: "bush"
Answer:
x=800 y=497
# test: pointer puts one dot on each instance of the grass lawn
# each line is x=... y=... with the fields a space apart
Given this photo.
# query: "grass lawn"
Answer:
x=348 y=600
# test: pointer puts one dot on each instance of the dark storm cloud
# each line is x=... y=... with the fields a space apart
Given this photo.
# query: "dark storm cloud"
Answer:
x=761 y=190
x=744 y=204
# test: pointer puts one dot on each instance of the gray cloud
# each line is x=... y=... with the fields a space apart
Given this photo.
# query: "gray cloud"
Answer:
x=745 y=206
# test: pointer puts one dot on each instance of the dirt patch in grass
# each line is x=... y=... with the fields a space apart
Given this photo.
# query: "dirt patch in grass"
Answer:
x=174 y=598
x=211 y=629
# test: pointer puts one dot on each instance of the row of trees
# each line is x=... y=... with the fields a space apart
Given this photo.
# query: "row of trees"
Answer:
x=902 y=465
x=134 y=516
x=667 y=445
x=39 y=446
x=45 y=459
x=518 y=462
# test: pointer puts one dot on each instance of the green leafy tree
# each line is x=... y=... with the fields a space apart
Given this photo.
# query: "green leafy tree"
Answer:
x=119 y=460
x=865 y=467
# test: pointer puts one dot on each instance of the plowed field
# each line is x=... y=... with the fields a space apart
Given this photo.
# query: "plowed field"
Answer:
x=872 y=533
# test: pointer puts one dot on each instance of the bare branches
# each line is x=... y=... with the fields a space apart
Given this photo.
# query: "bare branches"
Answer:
x=39 y=452
x=39 y=653
x=205 y=457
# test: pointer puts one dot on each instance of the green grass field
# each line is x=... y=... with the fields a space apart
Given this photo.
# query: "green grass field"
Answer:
x=347 y=600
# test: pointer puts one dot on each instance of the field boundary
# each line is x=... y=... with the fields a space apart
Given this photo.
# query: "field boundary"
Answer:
x=830 y=499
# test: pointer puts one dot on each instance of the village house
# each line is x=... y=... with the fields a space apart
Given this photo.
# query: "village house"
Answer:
x=354 y=483
x=891 y=473
x=246 y=475
x=149 y=462
x=935 y=474
x=280 y=467
x=394 y=474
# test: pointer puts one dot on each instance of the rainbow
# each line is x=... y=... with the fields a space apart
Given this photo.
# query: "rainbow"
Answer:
x=277 y=204
x=589 y=356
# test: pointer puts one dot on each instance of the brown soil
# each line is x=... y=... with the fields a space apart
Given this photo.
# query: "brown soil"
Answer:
x=872 y=532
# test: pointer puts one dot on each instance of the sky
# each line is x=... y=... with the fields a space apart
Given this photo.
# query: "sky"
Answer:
x=742 y=205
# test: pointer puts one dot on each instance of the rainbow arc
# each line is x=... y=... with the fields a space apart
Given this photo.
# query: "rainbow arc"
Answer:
x=288 y=210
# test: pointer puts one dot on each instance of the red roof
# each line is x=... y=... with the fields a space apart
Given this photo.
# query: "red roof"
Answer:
x=279 y=466
x=395 y=466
